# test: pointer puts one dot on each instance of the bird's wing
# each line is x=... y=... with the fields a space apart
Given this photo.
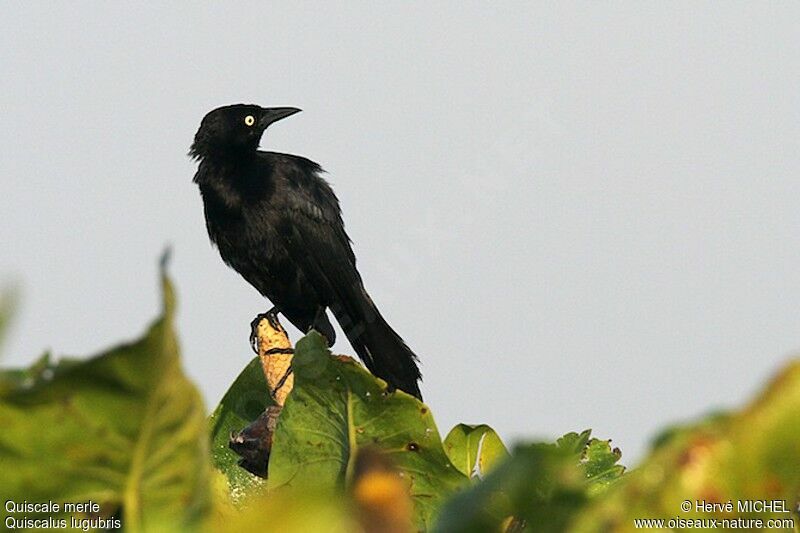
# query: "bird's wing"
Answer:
x=313 y=232
x=317 y=220
x=320 y=246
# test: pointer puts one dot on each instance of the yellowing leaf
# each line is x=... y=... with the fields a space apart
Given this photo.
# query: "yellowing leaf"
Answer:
x=474 y=449
x=744 y=457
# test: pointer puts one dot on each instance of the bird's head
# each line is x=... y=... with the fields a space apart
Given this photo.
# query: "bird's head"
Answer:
x=234 y=130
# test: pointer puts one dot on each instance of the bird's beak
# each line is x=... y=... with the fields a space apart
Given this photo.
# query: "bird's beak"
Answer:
x=274 y=114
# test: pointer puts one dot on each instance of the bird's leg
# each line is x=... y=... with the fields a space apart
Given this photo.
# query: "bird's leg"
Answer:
x=323 y=326
x=272 y=316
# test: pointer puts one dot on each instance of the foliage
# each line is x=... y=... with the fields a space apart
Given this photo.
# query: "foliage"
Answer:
x=127 y=429
x=744 y=457
x=474 y=450
x=539 y=484
x=338 y=408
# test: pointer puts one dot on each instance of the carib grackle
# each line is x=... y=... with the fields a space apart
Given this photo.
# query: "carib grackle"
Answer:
x=277 y=222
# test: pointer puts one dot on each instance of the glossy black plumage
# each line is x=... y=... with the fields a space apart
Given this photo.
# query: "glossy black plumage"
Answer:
x=278 y=223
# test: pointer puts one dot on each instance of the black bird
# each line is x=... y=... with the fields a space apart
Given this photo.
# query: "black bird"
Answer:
x=277 y=222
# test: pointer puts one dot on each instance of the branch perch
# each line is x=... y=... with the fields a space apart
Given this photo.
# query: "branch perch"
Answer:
x=275 y=351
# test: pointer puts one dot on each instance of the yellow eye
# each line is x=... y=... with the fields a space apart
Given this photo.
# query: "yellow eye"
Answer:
x=249 y=120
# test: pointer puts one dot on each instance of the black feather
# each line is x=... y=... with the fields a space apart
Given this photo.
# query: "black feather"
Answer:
x=277 y=222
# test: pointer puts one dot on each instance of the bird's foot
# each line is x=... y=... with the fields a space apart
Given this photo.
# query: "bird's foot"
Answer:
x=272 y=316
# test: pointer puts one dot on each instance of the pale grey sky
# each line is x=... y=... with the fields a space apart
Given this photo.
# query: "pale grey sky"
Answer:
x=578 y=214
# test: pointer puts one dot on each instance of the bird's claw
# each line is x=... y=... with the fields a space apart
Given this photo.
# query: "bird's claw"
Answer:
x=272 y=316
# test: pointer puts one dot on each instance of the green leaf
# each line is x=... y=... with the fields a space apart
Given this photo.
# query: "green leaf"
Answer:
x=245 y=400
x=539 y=484
x=542 y=485
x=574 y=443
x=597 y=460
x=337 y=408
x=740 y=457
x=42 y=371
x=125 y=429
x=474 y=450
x=599 y=464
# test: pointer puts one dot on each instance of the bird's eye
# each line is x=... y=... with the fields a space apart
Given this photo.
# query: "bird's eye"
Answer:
x=249 y=120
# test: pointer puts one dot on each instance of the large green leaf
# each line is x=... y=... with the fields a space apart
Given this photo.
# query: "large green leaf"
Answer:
x=542 y=485
x=474 y=450
x=738 y=458
x=245 y=400
x=125 y=429
x=337 y=408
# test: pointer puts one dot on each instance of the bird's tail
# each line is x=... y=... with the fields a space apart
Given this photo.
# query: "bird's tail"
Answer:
x=383 y=351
